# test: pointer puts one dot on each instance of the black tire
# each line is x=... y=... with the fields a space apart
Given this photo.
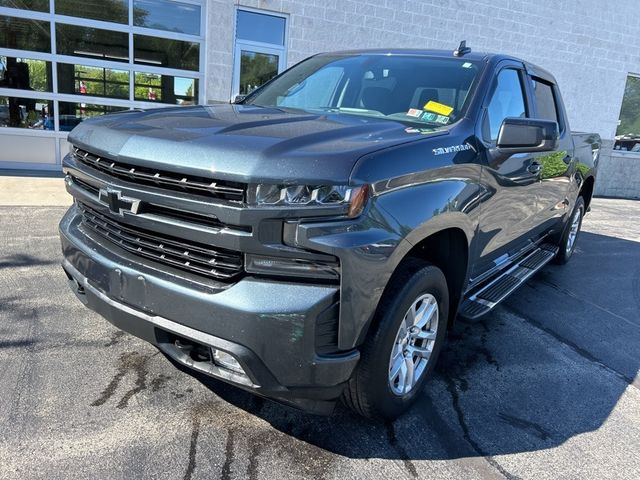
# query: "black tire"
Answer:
x=565 y=253
x=368 y=392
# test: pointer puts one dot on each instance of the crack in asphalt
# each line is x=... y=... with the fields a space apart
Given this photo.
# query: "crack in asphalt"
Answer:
x=252 y=468
x=402 y=453
x=574 y=347
x=193 y=445
x=568 y=292
x=229 y=455
x=455 y=399
x=523 y=424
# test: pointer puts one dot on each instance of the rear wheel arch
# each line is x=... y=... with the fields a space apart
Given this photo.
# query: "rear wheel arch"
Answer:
x=586 y=191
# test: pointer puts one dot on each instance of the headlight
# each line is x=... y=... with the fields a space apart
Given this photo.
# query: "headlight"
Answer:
x=313 y=196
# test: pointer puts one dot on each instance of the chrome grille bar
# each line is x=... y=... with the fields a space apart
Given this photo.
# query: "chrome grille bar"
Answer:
x=195 y=258
x=163 y=179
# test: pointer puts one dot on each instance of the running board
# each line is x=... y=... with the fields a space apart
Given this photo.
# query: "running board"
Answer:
x=485 y=299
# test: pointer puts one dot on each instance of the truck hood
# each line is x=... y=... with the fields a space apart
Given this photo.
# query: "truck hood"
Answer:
x=243 y=143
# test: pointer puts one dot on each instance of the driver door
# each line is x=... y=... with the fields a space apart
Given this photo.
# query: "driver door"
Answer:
x=508 y=216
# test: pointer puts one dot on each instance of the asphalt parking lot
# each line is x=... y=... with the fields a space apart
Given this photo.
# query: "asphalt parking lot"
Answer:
x=546 y=387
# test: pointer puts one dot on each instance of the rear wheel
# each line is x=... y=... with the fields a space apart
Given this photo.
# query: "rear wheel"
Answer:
x=570 y=235
x=404 y=343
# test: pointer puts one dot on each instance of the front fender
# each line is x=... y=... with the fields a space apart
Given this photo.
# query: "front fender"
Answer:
x=398 y=217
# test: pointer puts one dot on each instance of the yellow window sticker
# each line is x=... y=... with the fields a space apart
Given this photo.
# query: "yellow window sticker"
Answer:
x=438 y=108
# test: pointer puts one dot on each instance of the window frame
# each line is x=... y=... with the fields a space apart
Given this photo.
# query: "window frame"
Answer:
x=257 y=47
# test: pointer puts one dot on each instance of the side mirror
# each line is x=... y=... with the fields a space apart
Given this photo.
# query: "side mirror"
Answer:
x=525 y=135
x=239 y=99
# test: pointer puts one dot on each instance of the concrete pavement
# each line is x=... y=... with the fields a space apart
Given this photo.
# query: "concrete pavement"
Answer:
x=33 y=191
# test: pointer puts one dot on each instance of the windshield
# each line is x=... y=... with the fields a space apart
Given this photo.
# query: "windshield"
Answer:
x=411 y=89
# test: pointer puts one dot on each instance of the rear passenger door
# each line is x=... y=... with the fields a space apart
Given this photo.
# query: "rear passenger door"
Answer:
x=554 y=177
x=508 y=216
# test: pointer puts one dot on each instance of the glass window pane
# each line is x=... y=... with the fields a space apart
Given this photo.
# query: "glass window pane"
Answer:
x=628 y=134
x=71 y=114
x=507 y=101
x=317 y=90
x=256 y=69
x=25 y=113
x=153 y=87
x=92 y=43
x=38 y=5
x=95 y=81
x=25 y=74
x=106 y=10
x=260 y=28
x=167 y=15
x=545 y=101
x=162 y=52
x=24 y=34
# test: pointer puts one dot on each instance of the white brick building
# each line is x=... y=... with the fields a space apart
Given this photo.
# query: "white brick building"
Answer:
x=592 y=46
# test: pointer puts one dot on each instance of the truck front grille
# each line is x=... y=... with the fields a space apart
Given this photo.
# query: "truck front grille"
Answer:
x=200 y=259
x=168 y=180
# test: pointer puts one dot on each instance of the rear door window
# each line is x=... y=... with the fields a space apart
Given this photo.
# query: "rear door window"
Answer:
x=545 y=101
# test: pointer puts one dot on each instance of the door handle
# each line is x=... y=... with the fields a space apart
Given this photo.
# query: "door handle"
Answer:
x=535 y=168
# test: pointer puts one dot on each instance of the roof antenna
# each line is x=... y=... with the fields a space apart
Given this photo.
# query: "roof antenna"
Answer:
x=462 y=49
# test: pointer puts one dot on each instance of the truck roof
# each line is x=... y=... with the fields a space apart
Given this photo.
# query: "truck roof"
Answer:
x=475 y=56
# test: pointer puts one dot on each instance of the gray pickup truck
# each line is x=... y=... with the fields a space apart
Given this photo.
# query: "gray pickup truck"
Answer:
x=317 y=239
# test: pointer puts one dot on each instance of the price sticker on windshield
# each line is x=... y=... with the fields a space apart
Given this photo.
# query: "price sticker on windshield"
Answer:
x=439 y=108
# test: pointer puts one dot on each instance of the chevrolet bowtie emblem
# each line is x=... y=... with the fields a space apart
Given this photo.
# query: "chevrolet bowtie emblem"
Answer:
x=117 y=203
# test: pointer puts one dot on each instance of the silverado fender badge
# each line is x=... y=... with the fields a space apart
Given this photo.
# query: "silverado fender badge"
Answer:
x=452 y=149
x=117 y=203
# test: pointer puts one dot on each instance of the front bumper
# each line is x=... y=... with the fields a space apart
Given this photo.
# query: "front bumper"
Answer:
x=269 y=326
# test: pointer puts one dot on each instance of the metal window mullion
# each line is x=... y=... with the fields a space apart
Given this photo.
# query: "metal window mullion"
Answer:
x=131 y=55
x=203 y=67
x=253 y=43
x=90 y=99
x=91 y=23
x=14 y=92
x=28 y=14
x=151 y=32
x=54 y=74
x=29 y=54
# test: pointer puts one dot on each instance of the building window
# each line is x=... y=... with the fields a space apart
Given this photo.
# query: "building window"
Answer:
x=260 y=49
x=167 y=15
x=110 y=55
x=108 y=11
x=24 y=34
x=37 y=5
x=628 y=134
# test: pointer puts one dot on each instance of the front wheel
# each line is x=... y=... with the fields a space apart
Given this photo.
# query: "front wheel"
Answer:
x=403 y=345
x=570 y=235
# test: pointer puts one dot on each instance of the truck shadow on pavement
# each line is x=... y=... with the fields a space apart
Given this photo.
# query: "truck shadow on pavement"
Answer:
x=548 y=365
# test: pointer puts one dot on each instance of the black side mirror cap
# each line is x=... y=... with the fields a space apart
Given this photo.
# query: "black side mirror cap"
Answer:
x=239 y=99
x=524 y=135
